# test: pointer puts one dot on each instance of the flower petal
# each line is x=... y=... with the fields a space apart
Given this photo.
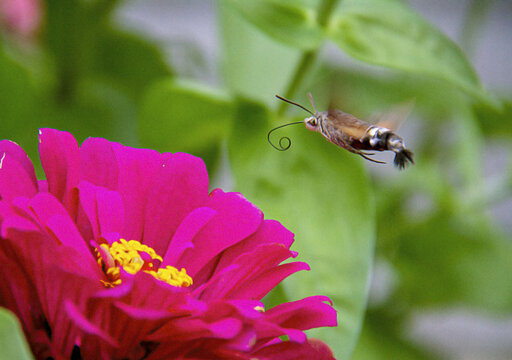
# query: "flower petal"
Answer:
x=42 y=186
x=85 y=325
x=250 y=266
x=260 y=286
x=184 y=235
x=110 y=211
x=14 y=179
x=235 y=220
x=136 y=170
x=308 y=313
x=312 y=349
x=99 y=163
x=60 y=158
x=270 y=231
x=179 y=186
x=101 y=211
x=14 y=150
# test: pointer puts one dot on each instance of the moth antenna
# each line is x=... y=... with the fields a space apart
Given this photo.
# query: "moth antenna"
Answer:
x=310 y=97
x=284 y=138
x=294 y=103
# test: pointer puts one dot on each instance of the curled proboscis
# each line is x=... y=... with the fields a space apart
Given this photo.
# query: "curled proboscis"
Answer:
x=285 y=146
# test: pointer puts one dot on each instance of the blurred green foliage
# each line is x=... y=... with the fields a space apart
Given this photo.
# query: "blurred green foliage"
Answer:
x=85 y=74
x=12 y=342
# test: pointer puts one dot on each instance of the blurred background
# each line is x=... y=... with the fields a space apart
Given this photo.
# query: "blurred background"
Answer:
x=418 y=263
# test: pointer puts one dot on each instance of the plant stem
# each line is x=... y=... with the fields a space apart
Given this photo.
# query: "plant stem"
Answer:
x=308 y=57
x=305 y=63
x=325 y=10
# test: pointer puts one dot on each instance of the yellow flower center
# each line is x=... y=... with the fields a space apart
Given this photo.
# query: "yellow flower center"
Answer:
x=133 y=257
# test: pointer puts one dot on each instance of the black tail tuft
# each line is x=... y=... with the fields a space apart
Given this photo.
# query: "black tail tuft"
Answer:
x=402 y=158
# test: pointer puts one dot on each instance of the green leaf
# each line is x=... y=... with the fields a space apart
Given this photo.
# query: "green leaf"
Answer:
x=322 y=194
x=496 y=123
x=71 y=32
x=382 y=338
x=18 y=104
x=13 y=344
x=97 y=109
x=181 y=116
x=263 y=67
x=467 y=150
x=129 y=60
x=293 y=22
x=392 y=35
x=446 y=261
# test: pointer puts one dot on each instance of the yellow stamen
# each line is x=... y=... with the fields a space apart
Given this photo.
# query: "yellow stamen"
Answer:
x=133 y=256
x=172 y=276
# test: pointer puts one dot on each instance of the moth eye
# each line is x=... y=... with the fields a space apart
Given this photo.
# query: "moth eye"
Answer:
x=313 y=122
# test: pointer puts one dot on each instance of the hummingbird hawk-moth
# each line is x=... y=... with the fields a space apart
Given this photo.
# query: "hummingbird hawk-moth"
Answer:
x=350 y=133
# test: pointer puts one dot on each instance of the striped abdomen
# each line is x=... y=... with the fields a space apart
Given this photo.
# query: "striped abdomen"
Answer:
x=380 y=139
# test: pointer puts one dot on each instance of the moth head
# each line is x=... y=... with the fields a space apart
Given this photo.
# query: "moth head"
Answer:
x=312 y=123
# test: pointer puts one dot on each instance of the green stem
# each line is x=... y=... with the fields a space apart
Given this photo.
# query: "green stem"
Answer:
x=305 y=63
x=308 y=57
x=325 y=10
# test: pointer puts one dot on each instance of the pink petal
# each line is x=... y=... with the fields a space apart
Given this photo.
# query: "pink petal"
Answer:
x=17 y=294
x=135 y=309
x=21 y=16
x=14 y=179
x=218 y=321
x=201 y=288
x=136 y=170
x=184 y=235
x=45 y=206
x=235 y=220
x=261 y=285
x=110 y=211
x=85 y=325
x=269 y=330
x=52 y=215
x=101 y=211
x=270 y=231
x=226 y=328
x=145 y=292
x=137 y=313
x=60 y=158
x=18 y=223
x=61 y=286
x=87 y=215
x=42 y=186
x=312 y=349
x=99 y=163
x=14 y=150
x=308 y=313
x=244 y=341
x=179 y=186
x=31 y=250
x=247 y=308
x=250 y=265
x=68 y=235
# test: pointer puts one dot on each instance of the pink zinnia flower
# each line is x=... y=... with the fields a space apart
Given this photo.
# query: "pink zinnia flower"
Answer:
x=23 y=17
x=124 y=253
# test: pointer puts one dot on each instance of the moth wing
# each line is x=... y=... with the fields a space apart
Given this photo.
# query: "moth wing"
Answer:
x=341 y=143
x=393 y=118
x=348 y=124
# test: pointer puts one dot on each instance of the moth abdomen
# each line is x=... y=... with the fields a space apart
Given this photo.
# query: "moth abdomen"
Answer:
x=378 y=138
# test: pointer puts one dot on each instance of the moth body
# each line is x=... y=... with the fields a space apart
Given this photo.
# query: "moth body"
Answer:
x=355 y=135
